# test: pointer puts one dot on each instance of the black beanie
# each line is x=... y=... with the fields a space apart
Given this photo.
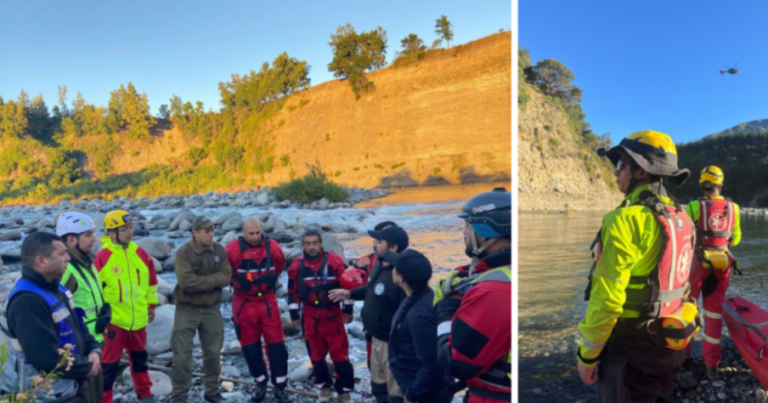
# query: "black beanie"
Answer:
x=414 y=267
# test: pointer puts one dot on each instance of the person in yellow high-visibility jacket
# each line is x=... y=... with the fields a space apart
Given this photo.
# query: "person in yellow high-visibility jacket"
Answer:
x=634 y=365
x=129 y=281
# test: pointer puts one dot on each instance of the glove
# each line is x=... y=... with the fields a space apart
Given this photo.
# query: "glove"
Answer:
x=105 y=317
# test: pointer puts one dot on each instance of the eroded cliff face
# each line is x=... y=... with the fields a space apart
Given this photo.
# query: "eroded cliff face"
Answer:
x=443 y=119
x=555 y=168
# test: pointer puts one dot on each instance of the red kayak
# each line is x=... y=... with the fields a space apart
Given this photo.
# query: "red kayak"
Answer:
x=747 y=324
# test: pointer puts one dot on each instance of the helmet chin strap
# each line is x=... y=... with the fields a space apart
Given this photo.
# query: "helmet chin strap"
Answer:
x=476 y=252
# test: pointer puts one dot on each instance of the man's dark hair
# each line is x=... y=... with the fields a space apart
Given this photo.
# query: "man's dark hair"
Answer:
x=37 y=244
x=311 y=232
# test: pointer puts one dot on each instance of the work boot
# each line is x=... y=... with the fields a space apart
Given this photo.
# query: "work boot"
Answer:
x=259 y=393
x=149 y=399
x=712 y=372
x=345 y=398
x=325 y=395
x=281 y=396
x=217 y=398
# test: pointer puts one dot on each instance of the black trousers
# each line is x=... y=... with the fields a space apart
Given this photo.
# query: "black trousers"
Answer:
x=637 y=369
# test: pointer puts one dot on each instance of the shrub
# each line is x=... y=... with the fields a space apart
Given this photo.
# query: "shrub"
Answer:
x=396 y=166
x=356 y=169
x=24 y=182
x=436 y=171
x=196 y=154
x=379 y=166
x=337 y=174
x=554 y=142
x=285 y=159
x=303 y=103
x=313 y=186
x=548 y=128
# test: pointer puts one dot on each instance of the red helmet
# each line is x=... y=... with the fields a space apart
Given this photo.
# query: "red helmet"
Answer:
x=353 y=278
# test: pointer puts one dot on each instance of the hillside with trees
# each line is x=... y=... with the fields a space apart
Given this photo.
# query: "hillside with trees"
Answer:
x=557 y=151
x=410 y=123
x=743 y=157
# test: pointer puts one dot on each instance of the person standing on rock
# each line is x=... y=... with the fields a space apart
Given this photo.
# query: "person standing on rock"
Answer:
x=473 y=305
x=257 y=263
x=382 y=297
x=311 y=278
x=42 y=320
x=643 y=260
x=128 y=279
x=202 y=270
x=717 y=229
x=82 y=280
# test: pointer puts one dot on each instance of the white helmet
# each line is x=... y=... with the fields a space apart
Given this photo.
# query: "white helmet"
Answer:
x=73 y=222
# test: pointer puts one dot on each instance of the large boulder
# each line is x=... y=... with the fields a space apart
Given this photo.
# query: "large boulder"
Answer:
x=162 y=223
x=331 y=243
x=224 y=217
x=155 y=247
x=170 y=263
x=185 y=226
x=11 y=236
x=159 y=331
x=262 y=198
x=183 y=215
x=229 y=237
x=233 y=224
x=268 y=225
x=158 y=265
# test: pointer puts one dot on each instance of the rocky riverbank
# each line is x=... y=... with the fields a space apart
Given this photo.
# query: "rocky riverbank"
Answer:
x=548 y=374
x=753 y=211
x=161 y=226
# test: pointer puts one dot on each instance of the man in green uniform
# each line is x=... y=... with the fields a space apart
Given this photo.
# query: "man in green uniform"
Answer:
x=202 y=270
x=82 y=280
x=641 y=274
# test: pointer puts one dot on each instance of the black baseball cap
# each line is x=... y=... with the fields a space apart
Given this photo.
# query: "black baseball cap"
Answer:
x=393 y=234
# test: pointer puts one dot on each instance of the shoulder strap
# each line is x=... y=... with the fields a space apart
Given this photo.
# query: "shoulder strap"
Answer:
x=241 y=243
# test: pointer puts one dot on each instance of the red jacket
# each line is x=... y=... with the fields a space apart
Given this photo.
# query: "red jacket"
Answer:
x=475 y=343
x=250 y=260
x=315 y=295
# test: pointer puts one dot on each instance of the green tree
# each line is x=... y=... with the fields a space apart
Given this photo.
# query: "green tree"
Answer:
x=354 y=54
x=63 y=168
x=164 y=112
x=553 y=78
x=444 y=29
x=38 y=118
x=13 y=121
x=436 y=43
x=412 y=44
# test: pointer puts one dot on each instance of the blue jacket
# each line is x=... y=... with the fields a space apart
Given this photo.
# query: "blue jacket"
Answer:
x=413 y=350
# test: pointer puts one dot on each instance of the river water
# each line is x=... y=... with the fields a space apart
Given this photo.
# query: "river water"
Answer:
x=554 y=261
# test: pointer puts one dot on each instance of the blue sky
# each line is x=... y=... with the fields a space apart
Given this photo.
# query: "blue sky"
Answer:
x=655 y=64
x=187 y=47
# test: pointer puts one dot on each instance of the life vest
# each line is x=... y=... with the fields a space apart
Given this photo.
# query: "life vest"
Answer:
x=88 y=296
x=713 y=233
x=666 y=288
x=715 y=226
x=262 y=274
x=457 y=281
x=314 y=286
x=499 y=375
x=17 y=373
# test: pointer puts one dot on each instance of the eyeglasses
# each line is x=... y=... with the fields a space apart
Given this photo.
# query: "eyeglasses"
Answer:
x=621 y=164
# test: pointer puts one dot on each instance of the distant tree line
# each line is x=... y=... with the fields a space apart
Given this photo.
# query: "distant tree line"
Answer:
x=743 y=157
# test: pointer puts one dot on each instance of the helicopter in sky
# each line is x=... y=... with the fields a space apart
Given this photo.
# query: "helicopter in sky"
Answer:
x=730 y=70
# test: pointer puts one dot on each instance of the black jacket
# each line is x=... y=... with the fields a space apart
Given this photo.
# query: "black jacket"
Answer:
x=29 y=319
x=413 y=351
x=382 y=297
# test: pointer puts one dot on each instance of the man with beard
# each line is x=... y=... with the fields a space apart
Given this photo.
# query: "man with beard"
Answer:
x=42 y=321
x=474 y=348
x=82 y=280
x=311 y=278
x=382 y=298
x=257 y=263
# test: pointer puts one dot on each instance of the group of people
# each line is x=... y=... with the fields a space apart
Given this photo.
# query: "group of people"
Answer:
x=653 y=261
x=85 y=310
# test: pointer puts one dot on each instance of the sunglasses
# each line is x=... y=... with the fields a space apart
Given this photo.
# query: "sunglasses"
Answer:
x=621 y=164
